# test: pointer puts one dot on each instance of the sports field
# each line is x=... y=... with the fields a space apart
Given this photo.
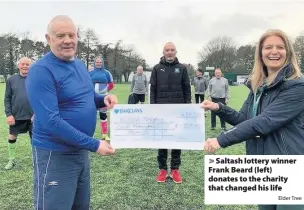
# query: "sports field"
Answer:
x=124 y=181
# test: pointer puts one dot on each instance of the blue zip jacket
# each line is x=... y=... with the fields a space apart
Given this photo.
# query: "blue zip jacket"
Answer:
x=102 y=79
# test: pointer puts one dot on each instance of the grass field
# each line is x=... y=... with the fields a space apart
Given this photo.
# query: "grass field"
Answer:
x=124 y=181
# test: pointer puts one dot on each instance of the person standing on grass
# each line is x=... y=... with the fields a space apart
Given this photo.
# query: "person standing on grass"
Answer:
x=18 y=111
x=169 y=84
x=218 y=91
x=272 y=117
x=139 y=86
x=62 y=97
x=200 y=86
x=103 y=83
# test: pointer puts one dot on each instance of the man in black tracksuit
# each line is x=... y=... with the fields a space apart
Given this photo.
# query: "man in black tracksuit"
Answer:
x=169 y=85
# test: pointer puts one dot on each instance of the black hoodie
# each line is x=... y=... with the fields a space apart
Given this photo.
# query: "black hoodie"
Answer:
x=170 y=83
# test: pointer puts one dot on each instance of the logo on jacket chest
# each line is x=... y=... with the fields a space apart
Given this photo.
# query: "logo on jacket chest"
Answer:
x=176 y=70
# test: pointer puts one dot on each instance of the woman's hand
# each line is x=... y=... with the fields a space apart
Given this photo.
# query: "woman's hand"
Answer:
x=209 y=105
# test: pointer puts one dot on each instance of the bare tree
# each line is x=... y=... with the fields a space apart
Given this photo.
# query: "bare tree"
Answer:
x=87 y=42
x=12 y=52
x=40 y=49
x=190 y=69
x=219 y=52
x=299 y=50
x=91 y=41
x=119 y=60
x=27 y=46
x=245 y=59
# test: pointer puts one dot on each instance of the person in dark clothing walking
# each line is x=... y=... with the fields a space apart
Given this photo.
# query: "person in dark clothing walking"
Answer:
x=218 y=91
x=200 y=86
x=272 y=117
x=17 y=109
x=169 y=84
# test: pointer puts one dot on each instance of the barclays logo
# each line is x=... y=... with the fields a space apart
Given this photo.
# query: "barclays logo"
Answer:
x=128 y=111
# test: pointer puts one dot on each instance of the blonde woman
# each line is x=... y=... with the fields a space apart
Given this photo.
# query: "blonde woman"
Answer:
x=272 y=117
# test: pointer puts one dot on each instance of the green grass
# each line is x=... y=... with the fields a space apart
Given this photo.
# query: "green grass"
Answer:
x=124 y=181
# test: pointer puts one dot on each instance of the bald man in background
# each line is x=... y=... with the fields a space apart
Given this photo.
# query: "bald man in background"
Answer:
x=169 y=85
x=17 y=109
x=62 y=97
x=139 y=85
x=218 y=91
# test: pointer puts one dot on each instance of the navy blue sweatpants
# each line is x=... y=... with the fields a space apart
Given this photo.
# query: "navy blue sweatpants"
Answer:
x=61 y=180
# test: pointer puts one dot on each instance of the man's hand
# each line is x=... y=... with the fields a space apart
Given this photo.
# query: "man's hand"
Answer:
x=110 y=101
x=105 y=149
x=211 y=145
x=10 y=120
x=209 y=105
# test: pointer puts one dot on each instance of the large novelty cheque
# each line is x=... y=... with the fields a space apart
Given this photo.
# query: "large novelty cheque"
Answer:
x=158 y=126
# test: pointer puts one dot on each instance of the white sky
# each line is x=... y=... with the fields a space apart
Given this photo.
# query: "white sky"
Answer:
x=148 y=25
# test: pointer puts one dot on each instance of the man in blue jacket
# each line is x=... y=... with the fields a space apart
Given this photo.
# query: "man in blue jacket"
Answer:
x=62 y=97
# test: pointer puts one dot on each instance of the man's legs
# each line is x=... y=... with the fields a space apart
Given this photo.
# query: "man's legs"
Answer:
x=196 y=98
x=175 y=164
x=55 y=179
x=136 y=98
x=213 y=116
x=202 y=97
x=223 y=101
x=12 y=139
x=175 y=159
x=142 y=98
x=83 y=193
x=162 y=164
x=21 y=126
x=104 y=124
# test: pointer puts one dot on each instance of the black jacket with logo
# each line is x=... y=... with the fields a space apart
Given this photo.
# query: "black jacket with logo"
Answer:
x=170 y=83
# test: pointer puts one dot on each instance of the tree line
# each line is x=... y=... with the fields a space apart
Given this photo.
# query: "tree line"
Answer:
x=118 y=58
x=122 y=60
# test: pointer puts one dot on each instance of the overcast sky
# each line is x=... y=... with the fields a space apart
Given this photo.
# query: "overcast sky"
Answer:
x=148 y=25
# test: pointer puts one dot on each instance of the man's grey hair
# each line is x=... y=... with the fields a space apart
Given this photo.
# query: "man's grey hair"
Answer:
x=30 y=60
x=58 y=18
